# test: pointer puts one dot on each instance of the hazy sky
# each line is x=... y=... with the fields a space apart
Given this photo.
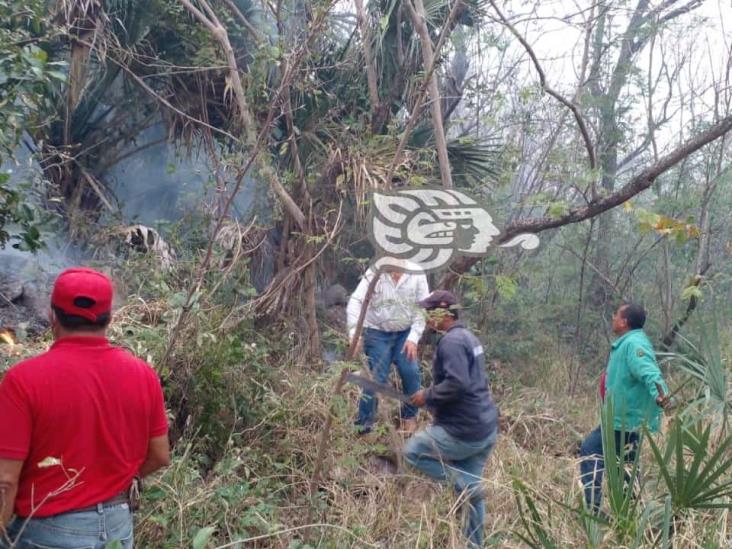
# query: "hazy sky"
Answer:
x=698 y=41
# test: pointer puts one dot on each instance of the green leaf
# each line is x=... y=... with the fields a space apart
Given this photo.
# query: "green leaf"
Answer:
x=691 y=291
x=506 y=287
x=41 y=55
x=202 y=536
x=116 y=544
x=557 y=210
x=58 y=75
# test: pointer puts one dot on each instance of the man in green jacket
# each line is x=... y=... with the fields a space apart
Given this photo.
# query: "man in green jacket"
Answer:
x=637 y=391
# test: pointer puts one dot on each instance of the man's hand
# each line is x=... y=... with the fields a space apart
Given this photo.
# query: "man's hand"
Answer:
x=663 y=400
x=418 y=398
x=9 y=478
x=410 y=349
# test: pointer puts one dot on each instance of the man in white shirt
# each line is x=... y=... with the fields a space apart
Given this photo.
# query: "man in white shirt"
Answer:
x=393 y=326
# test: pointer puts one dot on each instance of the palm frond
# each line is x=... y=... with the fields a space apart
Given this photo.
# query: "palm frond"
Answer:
x=474 y=163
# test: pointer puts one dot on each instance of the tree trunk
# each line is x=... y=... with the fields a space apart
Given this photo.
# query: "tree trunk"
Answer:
x=418 y=16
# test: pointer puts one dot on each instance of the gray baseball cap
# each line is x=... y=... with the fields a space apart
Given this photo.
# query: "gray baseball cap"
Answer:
x=439 y=299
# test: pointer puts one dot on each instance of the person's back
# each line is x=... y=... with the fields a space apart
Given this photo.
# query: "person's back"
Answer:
x=455 y=448
x=461 y=397
x=93 y=409
x=78 y=423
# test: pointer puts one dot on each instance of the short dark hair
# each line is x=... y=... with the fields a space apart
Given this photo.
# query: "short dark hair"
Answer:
x=79 y=323
x=635 y=315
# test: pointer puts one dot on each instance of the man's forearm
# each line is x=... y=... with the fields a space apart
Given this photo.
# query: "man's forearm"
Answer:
x=416 y=331
x=158 y=455
x=8 y=492
x=444 y=392
x=150 y=466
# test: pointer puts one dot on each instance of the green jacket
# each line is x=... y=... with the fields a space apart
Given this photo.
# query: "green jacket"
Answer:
x=632 y=373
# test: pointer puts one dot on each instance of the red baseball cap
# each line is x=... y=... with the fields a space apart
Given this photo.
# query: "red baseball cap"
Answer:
x=83 y=292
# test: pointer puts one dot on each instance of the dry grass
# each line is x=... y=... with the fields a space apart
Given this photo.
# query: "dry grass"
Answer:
x=383 y=507
x=257 y=493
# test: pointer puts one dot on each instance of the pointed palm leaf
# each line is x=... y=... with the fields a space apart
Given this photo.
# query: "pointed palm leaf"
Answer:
x=703 y=482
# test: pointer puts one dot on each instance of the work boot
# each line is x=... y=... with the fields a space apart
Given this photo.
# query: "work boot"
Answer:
x=408 y=426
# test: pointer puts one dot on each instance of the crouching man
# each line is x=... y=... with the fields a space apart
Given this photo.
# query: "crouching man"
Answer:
x=77 y=425
x=456 y=446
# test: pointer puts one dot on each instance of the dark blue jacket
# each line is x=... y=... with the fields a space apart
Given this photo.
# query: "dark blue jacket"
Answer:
x=459 y=397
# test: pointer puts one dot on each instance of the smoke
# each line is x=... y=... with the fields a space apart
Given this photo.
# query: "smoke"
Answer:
x=161 y=183
x=57 y=254
x=26 y=280
x=155 y=185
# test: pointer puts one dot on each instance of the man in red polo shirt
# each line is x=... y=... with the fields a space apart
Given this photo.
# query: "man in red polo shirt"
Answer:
x=77 y=424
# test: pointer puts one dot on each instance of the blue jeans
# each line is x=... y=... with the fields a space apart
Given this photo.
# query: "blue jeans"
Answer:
x=592 y=466
x=383 y=349
x=87 y=530
x=443 y=457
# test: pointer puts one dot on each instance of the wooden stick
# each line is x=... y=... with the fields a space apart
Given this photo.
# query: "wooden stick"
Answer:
x=338 y=387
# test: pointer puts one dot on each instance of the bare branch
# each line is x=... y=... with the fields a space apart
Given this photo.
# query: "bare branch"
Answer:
x=680 y=11
x=254 y=156
x=155 y=95
x=571 y=105
x=639 y=183
x=198 y=14
x=244 y=21
x=247 y=119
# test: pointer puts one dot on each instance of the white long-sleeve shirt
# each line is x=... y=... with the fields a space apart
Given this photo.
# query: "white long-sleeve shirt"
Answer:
x=393 y=307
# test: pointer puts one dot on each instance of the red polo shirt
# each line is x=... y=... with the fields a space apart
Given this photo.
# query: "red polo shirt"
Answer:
x=80 y=417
